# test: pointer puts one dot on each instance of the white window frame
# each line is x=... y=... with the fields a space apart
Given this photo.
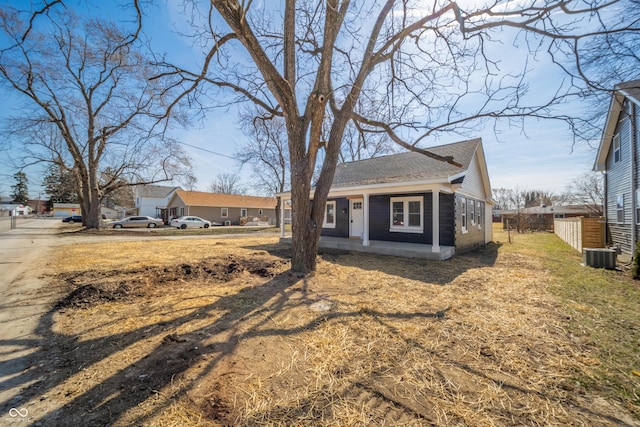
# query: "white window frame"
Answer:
x=325 y=223
x=620 y=209
x=463 y=214
x=617 y=151
x=244 y=211
x=260 y=212
x=479 y=213
x=224 y=212
x=405 y=227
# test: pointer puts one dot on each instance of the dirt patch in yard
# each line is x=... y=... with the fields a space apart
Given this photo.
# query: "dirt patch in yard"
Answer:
x=221 y=333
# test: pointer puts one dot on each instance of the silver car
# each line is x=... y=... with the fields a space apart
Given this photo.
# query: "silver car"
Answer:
x=138 y=221
x=190 y=222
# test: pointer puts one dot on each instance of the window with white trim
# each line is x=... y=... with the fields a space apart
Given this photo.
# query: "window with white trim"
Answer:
x=329 y=215
x=243 y=212
x=224 y=212
x=620 y=209
x=617 y=152
x=463 y=214
x=407 y=214
x=260 y=212
x=479 y=213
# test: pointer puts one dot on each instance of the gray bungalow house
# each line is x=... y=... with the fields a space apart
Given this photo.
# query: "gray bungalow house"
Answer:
x=619 y=158
x=410 y=205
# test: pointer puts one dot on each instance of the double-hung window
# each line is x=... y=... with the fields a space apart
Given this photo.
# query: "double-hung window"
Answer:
x=224 y=212
x=620 y=209
x=479 y=214
x=407 y=214
x=329 y=215
x=463 y=214
x=617 y=153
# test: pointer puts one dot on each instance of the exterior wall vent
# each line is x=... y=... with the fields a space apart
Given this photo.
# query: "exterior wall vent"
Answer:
x=599 y=258
x=227 y=223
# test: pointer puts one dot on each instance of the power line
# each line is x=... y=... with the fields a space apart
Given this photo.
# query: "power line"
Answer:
x=204 y=149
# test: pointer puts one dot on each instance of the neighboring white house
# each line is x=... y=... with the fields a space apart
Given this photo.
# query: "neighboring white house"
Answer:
x=12 y=209
x=152 y=200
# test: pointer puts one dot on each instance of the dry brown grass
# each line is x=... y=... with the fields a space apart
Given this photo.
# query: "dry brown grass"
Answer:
x=477 y=340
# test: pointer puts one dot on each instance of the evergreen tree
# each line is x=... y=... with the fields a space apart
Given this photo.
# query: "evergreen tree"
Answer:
x=20 y=188
x=60 y=185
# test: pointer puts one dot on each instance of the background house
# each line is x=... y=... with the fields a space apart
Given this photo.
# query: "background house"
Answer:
x=151 y=200
x=618 y=157
x=228 y=209
x=432 y=207
x=540 y=218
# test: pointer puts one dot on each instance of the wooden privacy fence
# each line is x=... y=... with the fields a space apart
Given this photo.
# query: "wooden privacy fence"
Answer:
x=580 y=232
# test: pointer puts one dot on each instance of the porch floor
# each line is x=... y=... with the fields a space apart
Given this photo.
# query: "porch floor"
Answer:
x=400 y=249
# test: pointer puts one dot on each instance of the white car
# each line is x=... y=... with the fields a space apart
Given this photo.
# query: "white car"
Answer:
x=190 y=222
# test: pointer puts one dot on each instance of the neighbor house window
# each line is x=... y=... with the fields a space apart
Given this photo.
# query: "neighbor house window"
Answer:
x=463 y=214
x=224 y=212
x=617 y=155
x=479 y=214
x=243 y=212
x=620 y=209
x=407 y=214
x=260 y=212
x=181 y=211
x=329 y=215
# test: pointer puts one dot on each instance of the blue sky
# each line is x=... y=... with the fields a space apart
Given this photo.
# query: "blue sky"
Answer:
x=544 y=158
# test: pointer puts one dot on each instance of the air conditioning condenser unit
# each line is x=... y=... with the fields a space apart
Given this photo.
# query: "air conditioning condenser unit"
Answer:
x=599 y=257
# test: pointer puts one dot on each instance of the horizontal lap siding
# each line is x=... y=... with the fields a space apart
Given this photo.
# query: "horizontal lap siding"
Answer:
x=380 y=220
x=619 y=183
x=342 y=220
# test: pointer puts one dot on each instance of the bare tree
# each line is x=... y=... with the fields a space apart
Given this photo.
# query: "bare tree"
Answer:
x=409 y=69
x=227 y=183
x=266 y=153
x=588 y=190
x=89 y=103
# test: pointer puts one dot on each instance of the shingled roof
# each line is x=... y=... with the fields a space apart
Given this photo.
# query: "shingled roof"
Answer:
x=154 y=191
x=405 y=167
x=199 y=198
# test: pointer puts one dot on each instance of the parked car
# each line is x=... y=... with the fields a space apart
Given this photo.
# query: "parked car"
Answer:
x=138 y=221
x=190 y=222
x=72 y=219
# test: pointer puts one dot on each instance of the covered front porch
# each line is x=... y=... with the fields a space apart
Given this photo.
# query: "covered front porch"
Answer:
x=401 y=249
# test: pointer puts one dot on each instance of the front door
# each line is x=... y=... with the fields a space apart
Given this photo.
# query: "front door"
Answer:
x=356 y=215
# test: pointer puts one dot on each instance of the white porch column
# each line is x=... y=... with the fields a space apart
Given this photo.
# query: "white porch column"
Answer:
x=435 y=221
x=365 y=207
x=282 y=216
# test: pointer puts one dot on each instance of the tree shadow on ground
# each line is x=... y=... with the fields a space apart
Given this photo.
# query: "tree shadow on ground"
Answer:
x=428 y=271
x=222 y=327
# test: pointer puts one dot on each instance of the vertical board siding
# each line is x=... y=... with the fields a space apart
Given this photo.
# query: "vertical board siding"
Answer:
x=619 y=183
x=342 y=219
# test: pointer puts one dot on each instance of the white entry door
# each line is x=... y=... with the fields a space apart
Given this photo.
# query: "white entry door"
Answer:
x=356 y=215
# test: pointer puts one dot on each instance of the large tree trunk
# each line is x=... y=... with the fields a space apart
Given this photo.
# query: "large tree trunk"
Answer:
x=305 y=230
